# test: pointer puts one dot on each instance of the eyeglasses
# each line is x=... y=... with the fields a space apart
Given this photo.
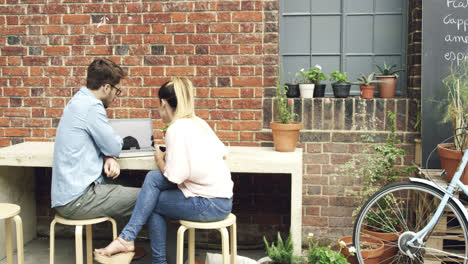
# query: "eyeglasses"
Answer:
x=118 y=92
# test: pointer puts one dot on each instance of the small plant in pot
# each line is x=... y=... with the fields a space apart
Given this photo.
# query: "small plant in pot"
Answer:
x=285 y=130
x=377 y=166
x=341 y=85
x=365 y=84
x=388 y=76
x=456 y=111
x=293 y=89
x=310 y=78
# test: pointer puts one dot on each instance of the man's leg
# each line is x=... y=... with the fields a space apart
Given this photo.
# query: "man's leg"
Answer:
x=101 y=200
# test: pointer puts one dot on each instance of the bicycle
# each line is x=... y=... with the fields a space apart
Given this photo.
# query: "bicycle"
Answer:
x=431 y=224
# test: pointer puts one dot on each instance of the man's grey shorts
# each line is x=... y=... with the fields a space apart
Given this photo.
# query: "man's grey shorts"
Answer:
x=101 y=200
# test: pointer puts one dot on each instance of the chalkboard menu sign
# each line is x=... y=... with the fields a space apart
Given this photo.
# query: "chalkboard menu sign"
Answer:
x=445 y=44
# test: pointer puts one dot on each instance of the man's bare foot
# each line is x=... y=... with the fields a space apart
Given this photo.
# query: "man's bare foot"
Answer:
x=117 y=246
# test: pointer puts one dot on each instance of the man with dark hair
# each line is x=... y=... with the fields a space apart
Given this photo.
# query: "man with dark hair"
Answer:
x=85 y=145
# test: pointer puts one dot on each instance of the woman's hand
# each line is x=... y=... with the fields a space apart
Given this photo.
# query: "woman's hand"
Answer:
x=111 y=168
x=160 y=158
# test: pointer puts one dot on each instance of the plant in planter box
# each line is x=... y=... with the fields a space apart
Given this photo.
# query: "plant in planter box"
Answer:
x=377 y=167
x=455 y=106
x=282 y=252
x=367 y=90
x=388 y=76
x=311 y=79
x=285 y=130
x=341 y=85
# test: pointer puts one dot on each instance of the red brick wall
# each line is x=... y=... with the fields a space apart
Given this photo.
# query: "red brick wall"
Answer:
x=230 y=51
x=220 y=45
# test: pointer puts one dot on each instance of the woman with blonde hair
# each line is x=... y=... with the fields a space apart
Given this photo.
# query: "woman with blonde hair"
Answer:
x=193 y=183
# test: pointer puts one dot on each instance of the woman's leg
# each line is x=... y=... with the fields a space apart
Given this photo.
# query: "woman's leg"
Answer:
x=153 y=185
x=155 y=182
x=172 y=203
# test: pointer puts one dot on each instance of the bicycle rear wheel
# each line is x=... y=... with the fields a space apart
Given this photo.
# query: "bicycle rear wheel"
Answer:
x=403 y=209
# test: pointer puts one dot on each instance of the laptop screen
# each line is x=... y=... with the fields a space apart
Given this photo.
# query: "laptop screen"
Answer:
x=136 y=133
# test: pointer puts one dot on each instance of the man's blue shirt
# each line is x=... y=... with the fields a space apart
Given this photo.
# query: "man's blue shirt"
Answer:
x=83 y=138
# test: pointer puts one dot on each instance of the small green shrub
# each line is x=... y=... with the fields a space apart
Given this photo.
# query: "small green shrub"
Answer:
x=284 y=109
x=324 y=255
x=282 y=252
x=338 y=76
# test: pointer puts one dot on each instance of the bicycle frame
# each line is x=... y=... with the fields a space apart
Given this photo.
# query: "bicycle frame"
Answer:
x=454 y=183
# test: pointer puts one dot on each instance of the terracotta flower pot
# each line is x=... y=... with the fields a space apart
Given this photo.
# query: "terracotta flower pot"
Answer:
x=387 y=88
x=450 y=159
x=367 y=91
x=390 y=241
x=371 y=256
x=285 y=136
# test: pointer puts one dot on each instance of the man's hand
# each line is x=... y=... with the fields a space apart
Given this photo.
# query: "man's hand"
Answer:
x=111 y=168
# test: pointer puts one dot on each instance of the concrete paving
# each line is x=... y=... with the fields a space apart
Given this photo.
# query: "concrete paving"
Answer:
x=37 y=252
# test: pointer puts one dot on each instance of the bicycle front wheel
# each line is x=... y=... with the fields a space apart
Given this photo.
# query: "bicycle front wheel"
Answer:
x=396 y=213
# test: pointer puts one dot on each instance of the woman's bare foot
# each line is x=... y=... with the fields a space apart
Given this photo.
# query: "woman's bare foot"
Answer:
x=117 y=246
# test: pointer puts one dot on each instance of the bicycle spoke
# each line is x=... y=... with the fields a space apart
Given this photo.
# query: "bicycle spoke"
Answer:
x=404 y=209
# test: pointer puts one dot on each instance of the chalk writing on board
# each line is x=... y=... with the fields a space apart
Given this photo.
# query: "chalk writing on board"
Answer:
x=457 y=57
x=457 y=3
x=461 y=23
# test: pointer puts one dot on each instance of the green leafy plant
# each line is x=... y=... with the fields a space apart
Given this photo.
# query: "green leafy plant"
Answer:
x=338 y=76
x=456 y=103
x=282 y=252
x=386 y=70
x=313 y=75
x=324 y=255
x=367 y=80
x=285 y=113
x=377 y=167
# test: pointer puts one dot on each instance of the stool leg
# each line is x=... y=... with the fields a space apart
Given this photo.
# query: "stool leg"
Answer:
x=225 y=244
x=180 y=244
x=19 y=239
x=233 y=243
x=89 y=244
x=8 y=241
x=79 y=244
x=191 y=246
x=114 y=228
x=52 y=241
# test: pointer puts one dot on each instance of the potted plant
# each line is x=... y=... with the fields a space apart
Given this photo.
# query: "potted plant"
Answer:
x=372 y=253
x=364 y=82
x=341 y=85
x=285 y=130
x=293 y=89
x=377 y=167
x=282 y=252
x=323 y=255
x=388 y=76
x=311 y=79
x=456 y=111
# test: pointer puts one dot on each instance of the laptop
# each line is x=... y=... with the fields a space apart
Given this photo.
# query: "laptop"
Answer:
x=137 y=135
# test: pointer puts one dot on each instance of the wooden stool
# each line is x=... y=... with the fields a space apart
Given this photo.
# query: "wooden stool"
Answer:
x=11 y=212
x=79 y=236
x=230 y=221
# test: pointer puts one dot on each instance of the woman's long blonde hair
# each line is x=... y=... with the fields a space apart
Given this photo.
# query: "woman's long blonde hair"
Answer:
x=182 y=89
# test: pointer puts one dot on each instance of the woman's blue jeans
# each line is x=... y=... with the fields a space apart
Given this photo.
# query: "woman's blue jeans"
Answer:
x=159 y=198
